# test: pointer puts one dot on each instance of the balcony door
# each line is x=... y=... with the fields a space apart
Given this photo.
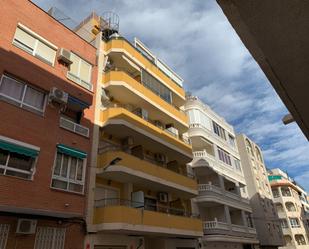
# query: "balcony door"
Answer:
x=106 y=196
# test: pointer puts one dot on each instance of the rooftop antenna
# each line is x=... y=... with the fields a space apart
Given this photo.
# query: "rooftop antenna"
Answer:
x=109 y=25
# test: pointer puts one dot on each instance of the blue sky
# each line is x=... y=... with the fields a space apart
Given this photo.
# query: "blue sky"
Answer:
x=197 y=41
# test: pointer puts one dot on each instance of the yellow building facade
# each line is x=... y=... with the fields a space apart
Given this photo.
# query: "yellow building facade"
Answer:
x=140 y=189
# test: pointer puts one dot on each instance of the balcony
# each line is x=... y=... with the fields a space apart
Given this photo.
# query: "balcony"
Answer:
x=198 y=130
x=144 y=173
x=212 y=193
x=122 y=116
x=121 y=45
x=122 y=85
x=74 y=127
x=216 y=228
x=123 y=216
x=216 y=165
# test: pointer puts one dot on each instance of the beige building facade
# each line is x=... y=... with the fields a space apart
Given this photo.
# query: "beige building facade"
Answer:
x=290 y=200
x=265 y=215
x=222 y=202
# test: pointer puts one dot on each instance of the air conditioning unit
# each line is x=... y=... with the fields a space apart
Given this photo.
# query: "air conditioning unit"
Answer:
x=58 y=96
x=160 y=157
x=172 y=130
x=26 y=226
x=105 y=99
x=64 y=55
x=163 y=197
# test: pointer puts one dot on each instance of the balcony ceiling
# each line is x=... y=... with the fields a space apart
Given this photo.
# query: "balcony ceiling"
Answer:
x=121 y=131
x=276 y=34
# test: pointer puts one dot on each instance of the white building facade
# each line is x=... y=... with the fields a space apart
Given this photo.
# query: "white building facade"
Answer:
x=222 y=202
x=291 y=204
x=265 y=215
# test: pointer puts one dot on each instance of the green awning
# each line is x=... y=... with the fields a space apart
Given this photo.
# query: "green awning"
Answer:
x=71 y=151
x=18 y=149
x=274 y=177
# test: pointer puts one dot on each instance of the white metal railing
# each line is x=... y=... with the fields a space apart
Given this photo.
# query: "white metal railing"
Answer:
x=207 y=225
x=216 y=189
x=239 y=228
x=252 y=230
x=74 y=127
x=209 y=187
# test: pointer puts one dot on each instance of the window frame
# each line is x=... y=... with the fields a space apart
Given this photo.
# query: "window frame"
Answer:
x=220 y=129
x=76 y=78
x=294 y=225
x=225 y=155
x=67 y=178
x=20 y=103
x=38 y=39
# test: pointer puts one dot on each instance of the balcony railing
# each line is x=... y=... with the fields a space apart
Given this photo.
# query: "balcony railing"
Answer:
x=107 y=202
x=150 y=160
x=218 y=190
x=74 y=127
x=180 y=137
x=216 y=225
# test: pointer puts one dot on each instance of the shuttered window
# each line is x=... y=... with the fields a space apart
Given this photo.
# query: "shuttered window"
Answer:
x=29 y=42
x=22 y=94
x=80 y=71
x=4 y=233
x=50 y=238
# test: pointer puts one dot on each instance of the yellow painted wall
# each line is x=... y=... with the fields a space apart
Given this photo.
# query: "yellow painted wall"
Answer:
x=131 y=51
x=121 y=76
x=137 y=164
x=121 y=214
x=121 y=113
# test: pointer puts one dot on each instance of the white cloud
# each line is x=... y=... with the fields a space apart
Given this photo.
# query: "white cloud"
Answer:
x=195 y=39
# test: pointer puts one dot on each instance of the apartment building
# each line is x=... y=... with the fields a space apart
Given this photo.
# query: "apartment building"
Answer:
x=265 y=215
x=290 y=200
x=222 y=202
x=140 y=188
x=47 y=88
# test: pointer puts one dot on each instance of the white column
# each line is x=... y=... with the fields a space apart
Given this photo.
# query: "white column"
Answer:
x=227 y=215
x=221 y=181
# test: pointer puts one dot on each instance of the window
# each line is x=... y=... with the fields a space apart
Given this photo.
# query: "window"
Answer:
x=285 y=191
x=290 y=206
x=156 y=86
x=80 y=71
x=275 y=192
x=284 y=223
x=49 y=238
x=224 y=156
x=21 y=94
x=249 y=147
x=16 y=160
x=237 y=164
x=294 y=222
x=106 y=196
x=4 y=233
x=218 y=130
x=69 y=169
x=198 y=117
x=288 y=240
x=29 y=42
x=279 y=207
x=258 y=154
x=300 y=239
x=232 y=141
